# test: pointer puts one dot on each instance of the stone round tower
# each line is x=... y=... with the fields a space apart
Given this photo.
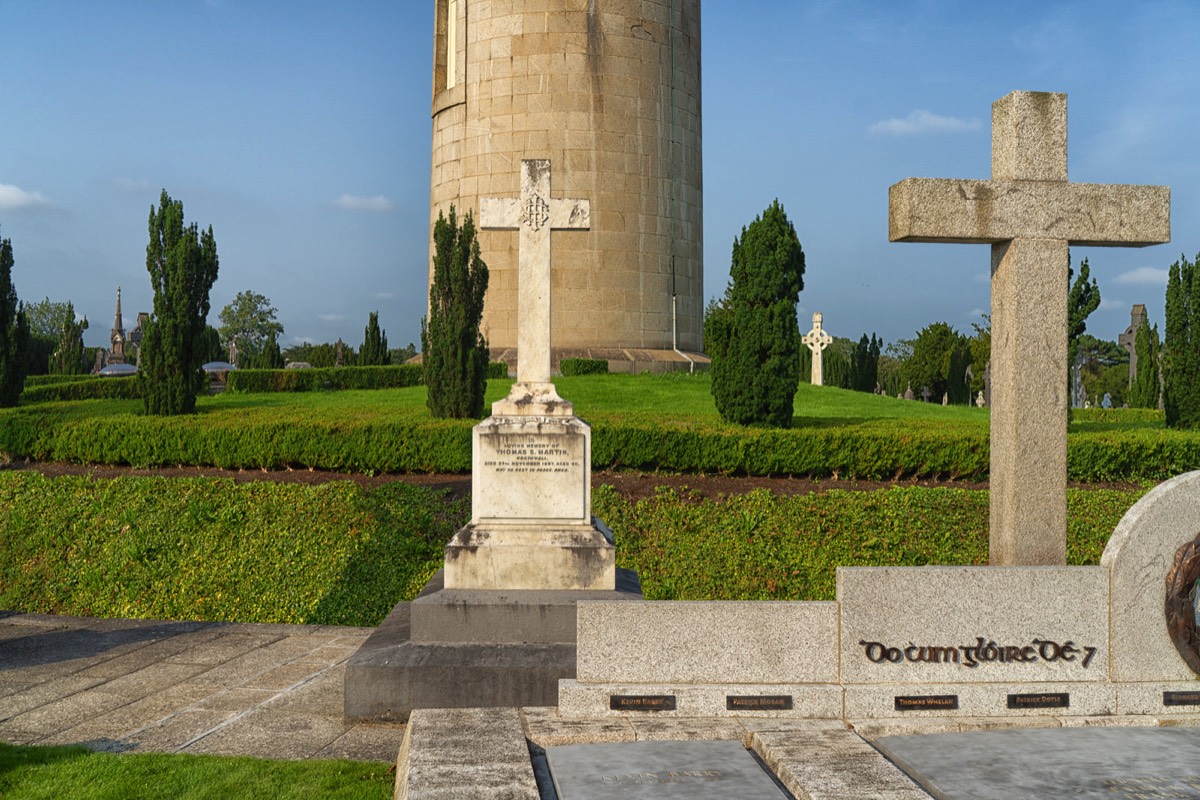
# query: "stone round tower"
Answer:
x=609 y=92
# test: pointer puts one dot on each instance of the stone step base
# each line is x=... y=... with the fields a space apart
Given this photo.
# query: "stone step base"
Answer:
x=479 y=660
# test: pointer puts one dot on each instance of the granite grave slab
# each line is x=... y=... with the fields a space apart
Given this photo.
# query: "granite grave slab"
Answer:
x=661 y=770
x=1084 y=763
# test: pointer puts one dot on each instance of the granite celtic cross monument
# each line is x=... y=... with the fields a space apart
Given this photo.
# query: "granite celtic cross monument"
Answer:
x=1029 y=213
x=817 y=340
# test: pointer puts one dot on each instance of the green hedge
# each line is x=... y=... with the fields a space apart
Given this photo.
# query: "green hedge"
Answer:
x=583 y=366
x=46 y=380
x=876 y=450
x=214 y=549
x=1127 y=416
x=248 y=381
x=763 y=546
x=396 y=376
x=89 y=388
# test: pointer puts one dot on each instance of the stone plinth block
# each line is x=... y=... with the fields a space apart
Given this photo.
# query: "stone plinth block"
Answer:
x=790 y=700
x=979 y=700
x=510 y=616
x=916 y=625
x=548 y=556
x=989 y=212
x=531 y=468
x=1159 y=699
x=469 y=752
x=708 y=642
x=1139 y=555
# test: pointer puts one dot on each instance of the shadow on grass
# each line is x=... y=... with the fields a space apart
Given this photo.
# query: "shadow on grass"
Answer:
x=14 y=756
x=413 y=524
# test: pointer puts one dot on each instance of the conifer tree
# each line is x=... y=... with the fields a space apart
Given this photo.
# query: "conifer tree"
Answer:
x=14 y=332
x=756 y=347
x=1181 y=345
x=1083 y=297
x=453 y=350
x=1144 y=393
x=182 y=262
x=270 y=357
x=69 y=357
x=374 y=350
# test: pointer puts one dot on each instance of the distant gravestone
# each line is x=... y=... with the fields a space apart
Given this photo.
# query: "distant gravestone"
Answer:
x=1029 y=213
x=817 y=340
x=908 y=392
x=979 y=401
x=1128 y=339
x=926 y=393
x=233 y=351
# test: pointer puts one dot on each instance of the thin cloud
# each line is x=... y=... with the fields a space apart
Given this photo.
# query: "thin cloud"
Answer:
x=385 y=295
x=1107 y=304
x=330 y=317
x=1142 y=276
x=351 y=202
x=921 y=121
x=132 y=185
x=13 y=198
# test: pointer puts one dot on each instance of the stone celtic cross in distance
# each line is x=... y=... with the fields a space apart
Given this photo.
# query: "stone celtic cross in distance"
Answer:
x=1029 y=213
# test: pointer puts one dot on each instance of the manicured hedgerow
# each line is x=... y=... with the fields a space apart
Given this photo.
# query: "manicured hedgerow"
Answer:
x=91 y=388
x=583 y=366
x=760 y=546
x=410 y=442
x=312 y=380
x=213 y=549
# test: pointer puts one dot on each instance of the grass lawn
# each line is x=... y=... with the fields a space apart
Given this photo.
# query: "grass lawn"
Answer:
x=50 y=773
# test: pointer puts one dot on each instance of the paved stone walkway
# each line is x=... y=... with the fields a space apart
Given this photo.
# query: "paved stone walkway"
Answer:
x=273 y=691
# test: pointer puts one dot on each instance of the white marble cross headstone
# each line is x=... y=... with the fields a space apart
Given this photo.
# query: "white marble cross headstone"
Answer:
x=534 y=214
x=1029 y=213
x=817 y=340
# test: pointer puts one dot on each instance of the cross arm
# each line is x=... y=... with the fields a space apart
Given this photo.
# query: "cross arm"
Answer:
x=499 y=213
x=988 y=212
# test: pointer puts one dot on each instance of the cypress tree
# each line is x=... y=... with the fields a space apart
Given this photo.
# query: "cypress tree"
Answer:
x=453 y=350
x=1144 y=392
x=1181 y=345
x=182 y=262
x=14 y=332
x=270 y=357
x=69 y=357
x=374 y=350
x=756 y=348
x=865 y=364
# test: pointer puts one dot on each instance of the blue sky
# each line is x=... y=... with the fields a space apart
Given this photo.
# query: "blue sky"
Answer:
x=300 y=131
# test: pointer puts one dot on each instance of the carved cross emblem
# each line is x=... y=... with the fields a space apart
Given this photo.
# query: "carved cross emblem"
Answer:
x=535 y=212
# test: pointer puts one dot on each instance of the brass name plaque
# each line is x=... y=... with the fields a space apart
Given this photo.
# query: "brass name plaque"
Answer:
x=641 y=702
x=931 y=702
x=758 y=702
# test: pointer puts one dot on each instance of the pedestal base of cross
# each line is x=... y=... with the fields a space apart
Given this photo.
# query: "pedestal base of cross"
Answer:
x=533 y=399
